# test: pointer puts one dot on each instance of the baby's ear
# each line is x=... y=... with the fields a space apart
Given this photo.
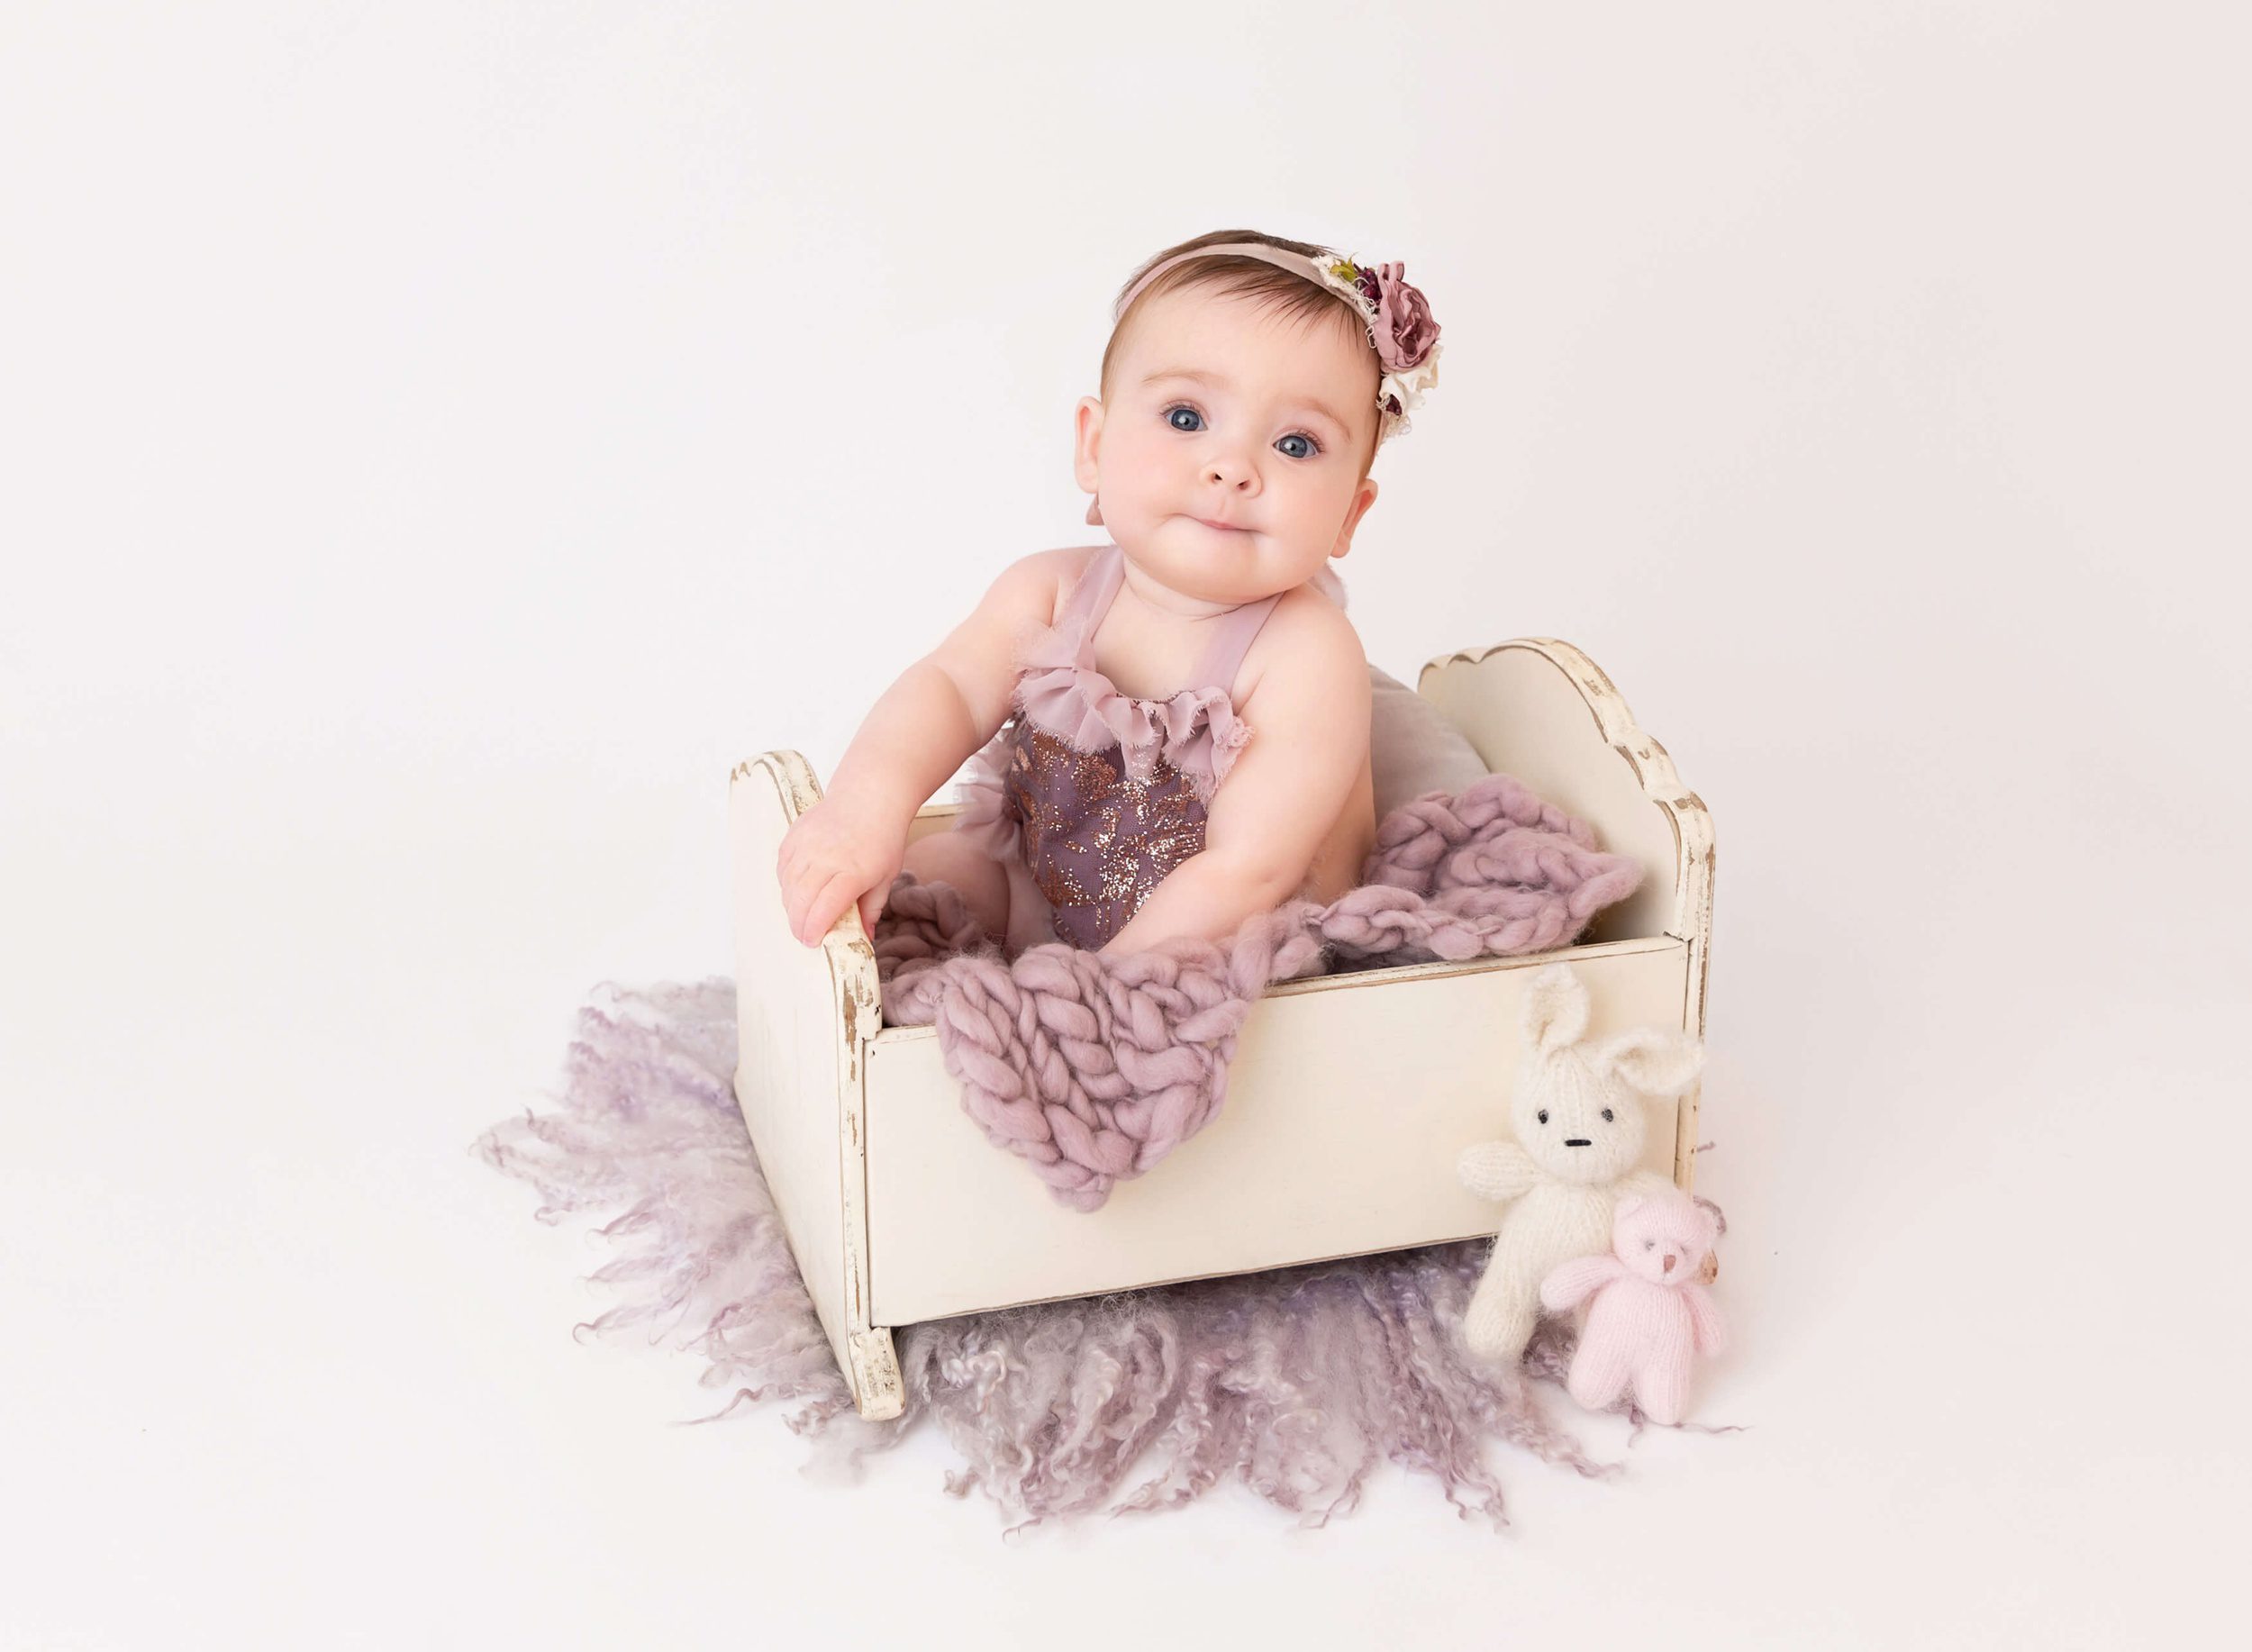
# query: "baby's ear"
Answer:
x=1362 y=499
x=1555 y=1009
x=1086 y=442
x=1653 y=1060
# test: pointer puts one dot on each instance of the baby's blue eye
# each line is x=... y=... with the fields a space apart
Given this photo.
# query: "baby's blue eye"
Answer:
x=1311 y=449
x=1191 y=412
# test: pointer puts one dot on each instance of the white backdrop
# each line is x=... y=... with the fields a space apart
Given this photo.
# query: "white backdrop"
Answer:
x=441 y=439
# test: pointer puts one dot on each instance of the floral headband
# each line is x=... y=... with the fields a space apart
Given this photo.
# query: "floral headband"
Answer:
x=1398 y=315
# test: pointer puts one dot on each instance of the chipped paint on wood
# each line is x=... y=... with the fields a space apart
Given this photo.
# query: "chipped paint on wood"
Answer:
x=877 y=1391
x=805 y=1015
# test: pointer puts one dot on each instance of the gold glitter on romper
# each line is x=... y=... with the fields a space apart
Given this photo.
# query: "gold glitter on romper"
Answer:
x=1080 y=813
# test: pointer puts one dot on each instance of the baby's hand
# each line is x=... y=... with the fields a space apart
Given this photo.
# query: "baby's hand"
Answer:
x=837 y=852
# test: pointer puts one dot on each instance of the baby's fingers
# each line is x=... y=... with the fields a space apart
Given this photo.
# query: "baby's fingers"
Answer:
x=827 y=906
x=801 y=886
x=795 y=842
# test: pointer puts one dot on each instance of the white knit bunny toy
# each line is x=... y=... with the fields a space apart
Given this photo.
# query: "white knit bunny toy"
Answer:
x=1577 y=1112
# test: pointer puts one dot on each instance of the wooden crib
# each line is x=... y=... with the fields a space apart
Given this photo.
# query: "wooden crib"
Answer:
x=1349 y=1099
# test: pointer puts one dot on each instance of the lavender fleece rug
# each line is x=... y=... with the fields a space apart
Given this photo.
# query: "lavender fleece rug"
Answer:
x=1298 y=1381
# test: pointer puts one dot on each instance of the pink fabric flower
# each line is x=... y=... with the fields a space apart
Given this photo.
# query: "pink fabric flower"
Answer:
x=1405 y=332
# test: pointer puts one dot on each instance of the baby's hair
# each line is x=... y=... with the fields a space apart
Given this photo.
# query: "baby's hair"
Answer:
x=1232 y=275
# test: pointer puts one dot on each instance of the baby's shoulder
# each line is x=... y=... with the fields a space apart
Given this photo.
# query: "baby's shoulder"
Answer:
x=1307 y=646
x=1038 y=586
x=1308 y=629
x=1310 y=604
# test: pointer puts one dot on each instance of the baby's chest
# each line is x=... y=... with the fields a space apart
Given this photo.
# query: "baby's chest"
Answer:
x=1152 y=660
x=1154 y=674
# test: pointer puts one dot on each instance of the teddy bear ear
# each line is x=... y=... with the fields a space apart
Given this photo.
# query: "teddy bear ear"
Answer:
x=1555 y=1009
x=1652 y=1060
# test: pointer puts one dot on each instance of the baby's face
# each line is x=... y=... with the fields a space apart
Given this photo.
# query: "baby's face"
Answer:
x=1241 y=482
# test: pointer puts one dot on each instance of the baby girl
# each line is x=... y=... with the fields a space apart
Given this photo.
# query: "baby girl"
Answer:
x=1108 y=691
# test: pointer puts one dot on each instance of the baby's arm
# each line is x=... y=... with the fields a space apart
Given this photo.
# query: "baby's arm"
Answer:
x=850 y=846
x=1308 y=713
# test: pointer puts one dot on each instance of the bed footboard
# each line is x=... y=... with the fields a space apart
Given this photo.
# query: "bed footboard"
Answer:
x=804 y=1017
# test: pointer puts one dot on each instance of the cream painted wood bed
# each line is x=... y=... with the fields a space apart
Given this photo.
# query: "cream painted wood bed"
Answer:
x=1349 y=1099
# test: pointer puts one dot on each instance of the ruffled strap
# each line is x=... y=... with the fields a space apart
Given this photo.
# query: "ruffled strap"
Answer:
x=1059 y=689
x=1196 y=730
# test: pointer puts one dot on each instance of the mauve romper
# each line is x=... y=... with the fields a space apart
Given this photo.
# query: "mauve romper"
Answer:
x=1088 y=796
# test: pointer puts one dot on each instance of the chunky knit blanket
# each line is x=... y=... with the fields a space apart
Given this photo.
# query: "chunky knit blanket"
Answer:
x=1095 y=1067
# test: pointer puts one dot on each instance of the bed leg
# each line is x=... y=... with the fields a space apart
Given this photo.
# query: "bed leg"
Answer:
x=876 y=1392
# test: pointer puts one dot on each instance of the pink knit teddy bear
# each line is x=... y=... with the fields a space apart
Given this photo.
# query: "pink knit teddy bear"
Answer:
x=1650 y=1316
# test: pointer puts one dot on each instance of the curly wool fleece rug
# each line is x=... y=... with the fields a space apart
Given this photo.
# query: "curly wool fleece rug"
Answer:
x=1297 y=1382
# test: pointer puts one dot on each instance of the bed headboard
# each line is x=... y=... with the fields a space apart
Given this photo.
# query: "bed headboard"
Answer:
x=1541 y=711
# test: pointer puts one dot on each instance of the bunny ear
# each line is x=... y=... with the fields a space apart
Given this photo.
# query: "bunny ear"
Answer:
x=1653 y=1060
x=1627 y=1206
x=1555 y=1009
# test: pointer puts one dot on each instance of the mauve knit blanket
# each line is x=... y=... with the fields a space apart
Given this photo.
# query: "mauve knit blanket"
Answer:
x=1095 y=1067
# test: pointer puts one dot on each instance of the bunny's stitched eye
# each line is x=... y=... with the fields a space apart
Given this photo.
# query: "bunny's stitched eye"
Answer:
x=1650 y=1244
x=1542 y=1115
x=1606 y=1115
